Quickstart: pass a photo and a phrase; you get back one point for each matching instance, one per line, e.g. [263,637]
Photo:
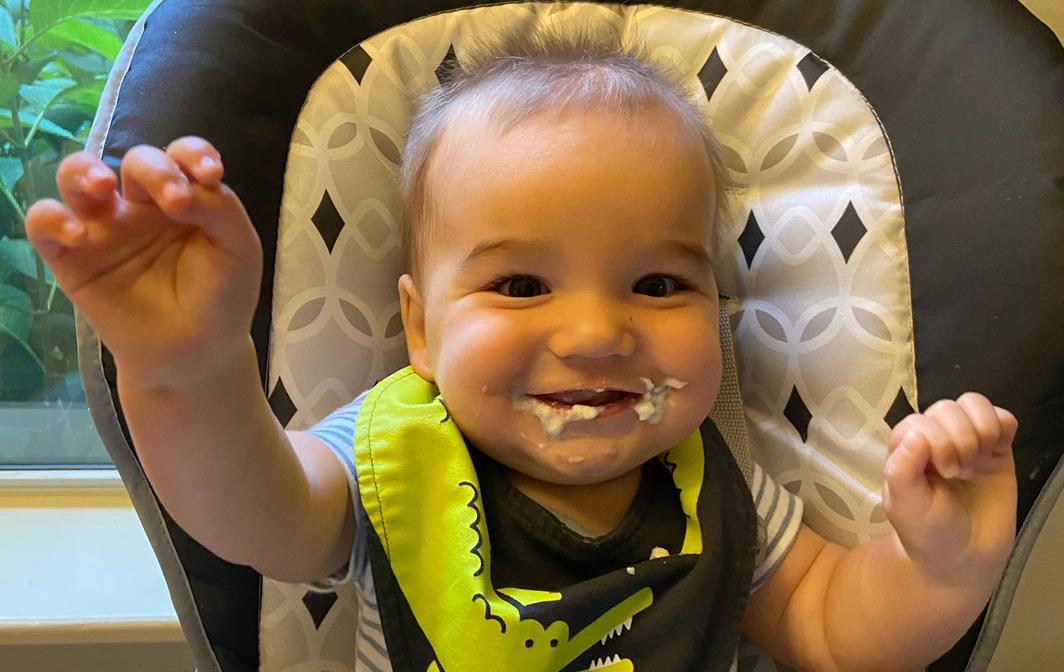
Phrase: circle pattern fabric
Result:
[814,259]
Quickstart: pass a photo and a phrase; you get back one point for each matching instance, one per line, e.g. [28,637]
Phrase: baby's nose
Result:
[592,329]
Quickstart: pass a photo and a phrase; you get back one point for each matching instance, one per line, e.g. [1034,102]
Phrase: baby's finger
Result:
[52,229]
[984,419]
[149,175]
[198,158]
[943,456]
[86,184]
[898,432]
[964,441]
[906,466]
[907,491]
[219,214]
[1009,425]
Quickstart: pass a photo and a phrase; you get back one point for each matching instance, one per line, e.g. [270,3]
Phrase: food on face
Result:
[651,407]
[555,418]
[556,413]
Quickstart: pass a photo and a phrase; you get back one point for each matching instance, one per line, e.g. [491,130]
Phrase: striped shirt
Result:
[779,514]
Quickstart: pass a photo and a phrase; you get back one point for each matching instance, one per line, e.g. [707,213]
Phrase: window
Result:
[82,589]
[55,61]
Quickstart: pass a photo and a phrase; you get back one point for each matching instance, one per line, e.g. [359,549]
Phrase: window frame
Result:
[47,622]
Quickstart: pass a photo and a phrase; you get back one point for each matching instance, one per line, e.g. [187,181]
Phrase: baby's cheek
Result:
[688,335]
[694,357]
[481,350]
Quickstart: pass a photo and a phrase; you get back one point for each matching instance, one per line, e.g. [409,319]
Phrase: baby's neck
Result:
[598,508]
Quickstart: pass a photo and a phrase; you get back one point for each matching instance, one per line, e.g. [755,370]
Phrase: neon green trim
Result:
[689,458]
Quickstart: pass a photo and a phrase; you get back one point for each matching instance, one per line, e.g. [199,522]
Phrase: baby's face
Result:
[570,261]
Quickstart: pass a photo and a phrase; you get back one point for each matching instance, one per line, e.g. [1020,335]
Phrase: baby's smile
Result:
[556,410]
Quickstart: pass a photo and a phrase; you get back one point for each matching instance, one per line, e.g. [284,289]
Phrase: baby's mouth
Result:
[555,410]
[607,401]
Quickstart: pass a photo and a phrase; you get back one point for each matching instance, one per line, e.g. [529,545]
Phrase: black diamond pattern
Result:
[319,604]
[811,68]
[711,73]
[328,221]
[750,239]
[848,231]
[898,410]
[447,65]
[798,413]
[281,404]
[357,61]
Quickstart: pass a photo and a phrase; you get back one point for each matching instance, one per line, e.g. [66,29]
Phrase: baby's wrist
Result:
[194,374]
[967,568]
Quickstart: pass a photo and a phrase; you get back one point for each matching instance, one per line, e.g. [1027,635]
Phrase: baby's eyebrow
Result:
[490,247]
[693,252]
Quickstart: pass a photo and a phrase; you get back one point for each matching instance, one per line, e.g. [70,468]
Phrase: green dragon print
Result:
[492,619]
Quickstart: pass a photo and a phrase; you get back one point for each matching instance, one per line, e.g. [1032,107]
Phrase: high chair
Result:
[896,238]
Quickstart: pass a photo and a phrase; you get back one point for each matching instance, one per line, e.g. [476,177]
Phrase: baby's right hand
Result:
[167,272]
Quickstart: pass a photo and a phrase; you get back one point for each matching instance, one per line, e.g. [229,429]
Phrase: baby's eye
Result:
[519,286]
[659,285]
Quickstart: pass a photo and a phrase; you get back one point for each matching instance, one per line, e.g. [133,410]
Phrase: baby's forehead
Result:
[515,140]
[491,126]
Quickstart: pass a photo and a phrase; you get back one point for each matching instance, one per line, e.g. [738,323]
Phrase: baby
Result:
[539,490]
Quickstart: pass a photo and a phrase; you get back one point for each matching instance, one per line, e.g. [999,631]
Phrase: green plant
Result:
[55,58]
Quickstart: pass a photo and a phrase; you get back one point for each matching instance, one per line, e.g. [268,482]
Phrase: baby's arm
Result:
[902,600]
[168,274]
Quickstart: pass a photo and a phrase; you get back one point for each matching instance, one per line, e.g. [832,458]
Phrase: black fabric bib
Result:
[679,612]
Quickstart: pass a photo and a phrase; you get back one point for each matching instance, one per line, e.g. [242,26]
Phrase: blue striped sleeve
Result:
[337,430]
[779,513]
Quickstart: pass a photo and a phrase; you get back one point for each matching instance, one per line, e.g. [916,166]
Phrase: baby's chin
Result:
[580,460]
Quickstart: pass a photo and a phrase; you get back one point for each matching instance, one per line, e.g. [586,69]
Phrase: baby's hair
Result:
[525,72]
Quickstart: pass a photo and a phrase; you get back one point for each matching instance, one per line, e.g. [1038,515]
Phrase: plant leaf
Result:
[8,86]
[18,255]
[42,92]
[29,71]
[21,370]
[27,119]
[84,34]
[16,312]
[46,14]
[11,171]
[88,94]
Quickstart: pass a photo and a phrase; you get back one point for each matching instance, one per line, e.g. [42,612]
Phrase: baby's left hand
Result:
[950,489]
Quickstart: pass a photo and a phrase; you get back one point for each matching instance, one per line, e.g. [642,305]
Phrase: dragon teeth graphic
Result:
[627,625]
[603,662]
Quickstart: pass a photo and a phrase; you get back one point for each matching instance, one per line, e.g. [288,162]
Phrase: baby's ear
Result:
[413,312]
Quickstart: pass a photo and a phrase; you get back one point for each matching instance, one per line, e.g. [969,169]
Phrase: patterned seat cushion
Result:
[814,255]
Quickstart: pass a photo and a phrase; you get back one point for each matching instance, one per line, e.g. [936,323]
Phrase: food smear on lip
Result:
[554,417]
[651,407]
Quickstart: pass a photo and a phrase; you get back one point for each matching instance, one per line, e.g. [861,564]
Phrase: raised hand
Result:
[167,272]
[950,489]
